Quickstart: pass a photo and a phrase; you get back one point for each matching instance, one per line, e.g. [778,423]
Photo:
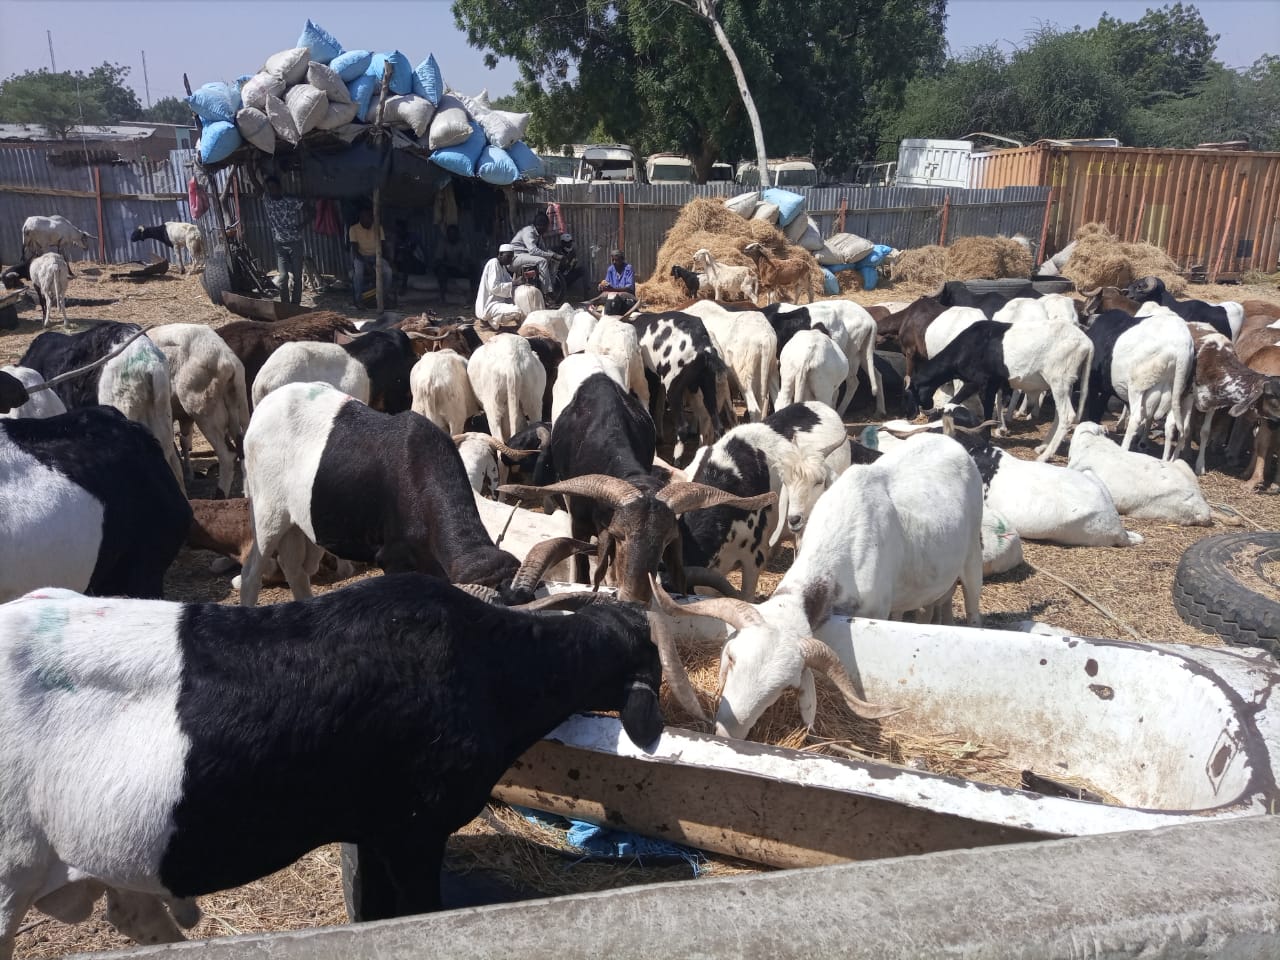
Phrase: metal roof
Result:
[97,134]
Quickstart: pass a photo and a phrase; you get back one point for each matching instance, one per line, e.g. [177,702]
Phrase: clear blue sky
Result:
[219,40]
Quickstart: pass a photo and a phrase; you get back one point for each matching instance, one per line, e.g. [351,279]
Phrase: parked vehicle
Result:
[720,173]
[785,172]
[669,168]
[614,162]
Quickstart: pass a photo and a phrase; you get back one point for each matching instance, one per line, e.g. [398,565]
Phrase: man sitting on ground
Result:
[495,300]
[364,243]
[619,278]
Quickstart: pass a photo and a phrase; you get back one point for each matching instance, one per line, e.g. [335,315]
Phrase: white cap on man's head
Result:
[506,248]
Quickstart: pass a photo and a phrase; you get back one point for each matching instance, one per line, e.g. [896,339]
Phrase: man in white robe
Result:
[495,298]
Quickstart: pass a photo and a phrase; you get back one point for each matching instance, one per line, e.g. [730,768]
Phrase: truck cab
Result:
[608,162]
[668,168]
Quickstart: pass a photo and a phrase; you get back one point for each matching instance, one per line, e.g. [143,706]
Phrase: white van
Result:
[608,162]
[785,172]
[668,168]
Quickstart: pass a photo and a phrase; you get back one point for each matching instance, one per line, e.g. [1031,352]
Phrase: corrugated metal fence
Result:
[1216,209]
[637,217]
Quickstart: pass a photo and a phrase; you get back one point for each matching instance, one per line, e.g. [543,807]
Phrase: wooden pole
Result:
[844,206]
[377,233]
[622,245]
[1137,221]
[1222,246]
[946,213]
[102,237]
[1044,225]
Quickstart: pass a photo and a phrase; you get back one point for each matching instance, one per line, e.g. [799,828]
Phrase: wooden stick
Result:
[1222,247]
[102,239]
[1044,224]
[377,236]
[844,207]
[1089,600]
[946,213]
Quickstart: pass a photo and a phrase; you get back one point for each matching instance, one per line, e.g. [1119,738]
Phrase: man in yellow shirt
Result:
[364,244]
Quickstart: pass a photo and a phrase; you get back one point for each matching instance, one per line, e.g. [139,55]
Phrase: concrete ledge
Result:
[1208,890]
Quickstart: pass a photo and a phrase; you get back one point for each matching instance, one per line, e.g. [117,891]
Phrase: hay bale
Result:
[707,222]
[924,265]
[1101,259]
[987,258]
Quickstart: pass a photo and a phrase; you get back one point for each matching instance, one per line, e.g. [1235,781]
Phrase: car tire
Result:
[217,274]
[1222,587]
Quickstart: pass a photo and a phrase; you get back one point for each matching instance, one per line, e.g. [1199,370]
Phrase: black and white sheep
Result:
[177,235]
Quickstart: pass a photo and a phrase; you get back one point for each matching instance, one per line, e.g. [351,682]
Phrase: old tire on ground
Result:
[1223,586]
[217,274]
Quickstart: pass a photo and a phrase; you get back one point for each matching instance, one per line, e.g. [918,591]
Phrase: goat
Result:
[89,504]
[1226,317]
[601,454]
[388,357]
[790,276]
[727,282]
[207,388]
[853,330]
[909,327]
[305,362]
[40,233]
[617,340]
[367,486]
[508,382]
[747,342]
[1222,380]
[177,235]
[253,341]
[812,368]
[442,391]
[550,354]
[695,285]
[1140,486]
[888,539]
[990,357]
[135,382]
[230,728]
[34,404]
[461,337]
[225,527]
[482,456]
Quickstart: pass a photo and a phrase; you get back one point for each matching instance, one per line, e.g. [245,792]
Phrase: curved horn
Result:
[599,486]
[737,613]
[831,448]
[672,668]
[495,444]
[542,557]
[544,437]
[480,592]
[984,425]
[706,577]
[784,501]
[70,374]
[818,656]
[683,496]
[557,601]
[904,434]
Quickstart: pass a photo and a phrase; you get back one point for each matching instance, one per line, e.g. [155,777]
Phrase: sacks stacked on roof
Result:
[317,85]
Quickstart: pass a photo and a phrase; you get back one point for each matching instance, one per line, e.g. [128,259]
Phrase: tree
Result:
[170,110]
[107,81]
[60,101]
[1227,105]
[818,71]
[1166,53]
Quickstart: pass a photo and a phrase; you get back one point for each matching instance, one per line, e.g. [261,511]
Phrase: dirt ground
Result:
[1133,584]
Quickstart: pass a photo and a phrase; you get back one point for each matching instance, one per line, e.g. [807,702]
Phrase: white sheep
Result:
[178,235]
[812,368]
[728,282]
[528,299]
[42,403]
[1141,486]
[749,345]
[1152,371]
[508,380]
[137,384]
[40,233]
[441,389]
[853,330]
[548,323]
[617,340]
[888,539]
[479,453]
[580,329]
[207,388]
[309,362]
[51,276]
[574,370]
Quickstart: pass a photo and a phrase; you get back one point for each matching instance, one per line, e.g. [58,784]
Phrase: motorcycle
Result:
[565,272]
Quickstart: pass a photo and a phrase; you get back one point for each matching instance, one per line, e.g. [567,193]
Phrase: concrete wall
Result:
[1208,890]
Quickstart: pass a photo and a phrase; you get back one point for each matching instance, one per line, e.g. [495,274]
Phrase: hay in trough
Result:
[707,222]
[1101,259]
[987,258]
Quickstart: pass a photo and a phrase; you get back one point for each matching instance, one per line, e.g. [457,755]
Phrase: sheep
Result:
[225,527]
[1140,486]
[34,404]
[508,382]
[482,460]
[527,299]
[548,323]
[239,719]
[1221,380]
[388,357]
[49,276]
[791,276]
[372,487]
[135,381]
[39,233]
[1226,317]
[580,330]
[889,538]
[747,342]
[1051,308]
[253,341]
[812,368]
[442,391]
[575,370]
[601,455]
[695,284]
[302,361]
[207,388]
[727,282]
[853,330]
[617,340]
[955,293]
[89,504]
[177,235]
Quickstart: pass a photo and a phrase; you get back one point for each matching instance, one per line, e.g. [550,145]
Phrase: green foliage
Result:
[1166,53]
[59,101]
[169,110]
[1226,106]
[649,73]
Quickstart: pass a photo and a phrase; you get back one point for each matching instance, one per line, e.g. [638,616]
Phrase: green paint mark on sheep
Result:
[46,648]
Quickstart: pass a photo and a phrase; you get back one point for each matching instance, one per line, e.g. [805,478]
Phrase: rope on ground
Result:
[1089,600]
[31,926]
[1233,512]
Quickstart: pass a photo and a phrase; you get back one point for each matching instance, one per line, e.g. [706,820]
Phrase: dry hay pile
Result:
[926,265]
[1101,259]
[707,222]
[988,258]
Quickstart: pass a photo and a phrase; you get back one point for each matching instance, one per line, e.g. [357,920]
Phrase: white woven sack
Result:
[338,115]
[767,212]
[450,125]
[307,104]
[256,128]
[503,128]
[826,256]
[289,65]
[282,120]
[257,88]
[412,111]
[327,81]
[744,204]
[794,230]
[850,246]
[811,238]
[476,105]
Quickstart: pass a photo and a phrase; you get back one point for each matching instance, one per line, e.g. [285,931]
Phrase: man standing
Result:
[285,215]
[495,298]
[619,278]
[453,260]
[528,244]
[364,243]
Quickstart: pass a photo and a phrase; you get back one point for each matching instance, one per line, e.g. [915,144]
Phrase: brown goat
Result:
[1223,381]
[222,526]
[911,326]
[253,341]
[778,276]
[1101,299]
[1266,442]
